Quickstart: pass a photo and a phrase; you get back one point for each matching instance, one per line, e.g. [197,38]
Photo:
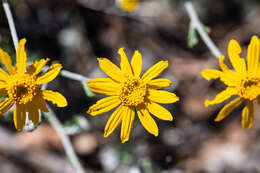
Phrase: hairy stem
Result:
[71,75]
[10,22]
[51,115]
[199,27]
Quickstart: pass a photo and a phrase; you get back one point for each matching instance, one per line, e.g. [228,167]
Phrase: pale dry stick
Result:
[51,115]
[199,27]
[10,20]
[71,75]
[11,23]
[205,38]
[36,158]
[74,76]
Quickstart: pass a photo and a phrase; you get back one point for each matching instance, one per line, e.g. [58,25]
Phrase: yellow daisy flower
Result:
[128,5]
[22,87]
[127,89]
[243,81]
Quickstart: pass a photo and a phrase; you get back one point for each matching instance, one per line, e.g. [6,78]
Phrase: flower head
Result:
[22,87]
[131,93]
[128,5]
[243,81]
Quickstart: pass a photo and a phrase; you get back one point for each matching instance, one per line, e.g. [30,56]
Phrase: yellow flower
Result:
[128,5]
[243,81]
[22,87]
[127,89]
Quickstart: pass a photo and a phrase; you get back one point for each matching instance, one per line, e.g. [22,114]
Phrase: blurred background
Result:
[76,32]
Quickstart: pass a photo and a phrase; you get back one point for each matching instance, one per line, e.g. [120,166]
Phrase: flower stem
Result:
[51,115]
[10,22]
[71,75]
[199,27]
[74,76]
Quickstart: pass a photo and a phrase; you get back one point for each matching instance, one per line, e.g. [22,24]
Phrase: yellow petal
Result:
[110,69]
[124,64]
[161,96]
[209,74]
[21,56]
[40,102]
[129,5]
[19,116]
[105,86]
[3,84]
[55,98]
[159,83]
[104,105]
[37,66]
[253,54]
[146,120]
[223,65]
[136,63]
[5,105]
[155,70]
[33,113]
[159,111]
[127,123]
[7,61]
[229,78]
[3,75]
[228,108]
[258,70]
[248,115]
[222,96]
[233,52]
[50,74]
[113,121]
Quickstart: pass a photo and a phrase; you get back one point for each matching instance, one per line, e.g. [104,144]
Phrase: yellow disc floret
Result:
[133,92]
[249,88]
[22,88]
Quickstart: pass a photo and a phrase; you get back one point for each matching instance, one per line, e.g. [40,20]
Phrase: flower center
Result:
[249,88]
[132,92]
[22,88]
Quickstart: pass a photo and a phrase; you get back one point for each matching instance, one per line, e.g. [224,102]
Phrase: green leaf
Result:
[87,90]
[55,62]
[206,28]
[8,116]
[32,58]
[76,124]
[192,36]
[147,165]
[124,153]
